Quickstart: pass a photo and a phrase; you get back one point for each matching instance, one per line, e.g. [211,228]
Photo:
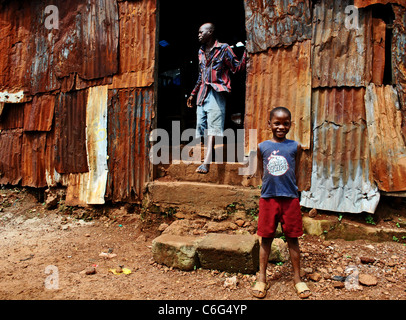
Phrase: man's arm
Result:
[232,62]
[191,100]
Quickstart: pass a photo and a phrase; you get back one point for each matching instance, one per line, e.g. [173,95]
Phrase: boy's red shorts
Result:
[283,210]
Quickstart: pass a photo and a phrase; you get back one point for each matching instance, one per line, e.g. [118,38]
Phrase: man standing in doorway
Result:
[215,61]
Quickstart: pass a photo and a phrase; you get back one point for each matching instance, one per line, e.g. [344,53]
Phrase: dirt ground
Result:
[69,241]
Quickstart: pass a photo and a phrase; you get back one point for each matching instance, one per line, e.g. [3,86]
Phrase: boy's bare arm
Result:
[297,160]
[258,171]
[259,164]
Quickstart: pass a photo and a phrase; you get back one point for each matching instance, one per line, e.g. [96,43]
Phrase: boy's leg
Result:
[264,251]
[294,251]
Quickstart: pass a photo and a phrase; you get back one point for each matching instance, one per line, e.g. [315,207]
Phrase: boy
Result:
[279,202]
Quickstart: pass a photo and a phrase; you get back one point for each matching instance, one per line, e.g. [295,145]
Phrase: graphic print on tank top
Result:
[277,165]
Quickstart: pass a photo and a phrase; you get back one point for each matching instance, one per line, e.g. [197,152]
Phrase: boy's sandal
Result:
[260,289]
[302,290]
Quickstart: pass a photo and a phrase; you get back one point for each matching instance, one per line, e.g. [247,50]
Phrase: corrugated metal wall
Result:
[77,103]
[57,87]
[349,155]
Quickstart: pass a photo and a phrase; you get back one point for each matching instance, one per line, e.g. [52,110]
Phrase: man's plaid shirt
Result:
[214,70]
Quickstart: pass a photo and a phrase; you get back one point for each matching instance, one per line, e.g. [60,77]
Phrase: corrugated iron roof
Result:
[129,122]
[268,73]
[388,151]
[341,176]
[340,56]
[276,23]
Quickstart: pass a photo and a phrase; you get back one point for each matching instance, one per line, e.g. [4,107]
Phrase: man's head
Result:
[280,122]
[206,33]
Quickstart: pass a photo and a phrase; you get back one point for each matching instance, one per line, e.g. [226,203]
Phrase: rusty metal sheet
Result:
[96,136]
[399,60]
[53,178]
[33,159]
[70,132]
[281,77]
[12,116]
[129,124]
[137,44]
[388,151]
[341,176]
[38,60]
[365,3]
[76,192]
[39,114]
[340,56]
[276,23]
[15,22]
[378,47]
[11,142]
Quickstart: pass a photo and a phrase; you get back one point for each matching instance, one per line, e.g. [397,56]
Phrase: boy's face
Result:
[280,125]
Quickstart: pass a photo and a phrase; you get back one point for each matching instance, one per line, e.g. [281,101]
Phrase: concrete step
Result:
[229,173]
[223,252]
[209,200]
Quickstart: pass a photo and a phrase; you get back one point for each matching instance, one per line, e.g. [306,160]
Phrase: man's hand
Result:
[190,101]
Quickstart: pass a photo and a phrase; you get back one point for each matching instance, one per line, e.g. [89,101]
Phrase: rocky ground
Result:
[69,253]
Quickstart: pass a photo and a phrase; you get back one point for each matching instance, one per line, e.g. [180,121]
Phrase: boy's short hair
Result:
[283,109]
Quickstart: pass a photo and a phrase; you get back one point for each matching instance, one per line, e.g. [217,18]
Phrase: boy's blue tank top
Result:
[279,161]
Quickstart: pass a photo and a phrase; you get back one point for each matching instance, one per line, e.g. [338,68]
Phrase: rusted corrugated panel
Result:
[276,23]
[11,142]
[137,44]
[378,56]
[129,125]
[365,3]
[15,24]
[76,192]
[340,56]
[388,151]
[12,116]
[281,77]
[33,159]
[89,188]
[89,45]
[38,60]
[39,114]
[341,176]
[70,132]
[96,133]
[399,60]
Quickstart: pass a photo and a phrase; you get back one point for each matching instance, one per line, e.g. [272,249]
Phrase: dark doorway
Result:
[179,21]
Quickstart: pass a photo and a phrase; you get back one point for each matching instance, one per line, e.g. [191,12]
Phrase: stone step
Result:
[231,253]
[176,251]
[204,199]
[229,173]
[223,252]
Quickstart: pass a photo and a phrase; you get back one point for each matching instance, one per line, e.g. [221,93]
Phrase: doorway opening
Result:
[179,22]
